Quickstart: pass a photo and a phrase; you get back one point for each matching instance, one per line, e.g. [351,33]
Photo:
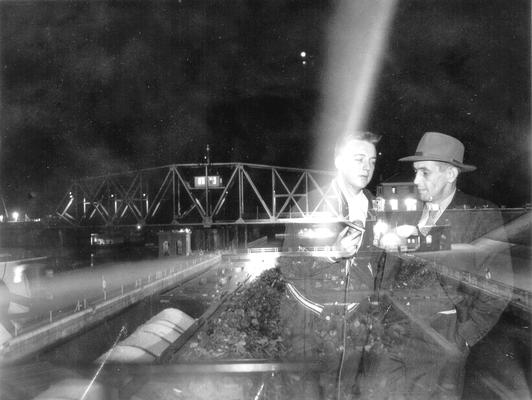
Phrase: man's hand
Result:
[348,241]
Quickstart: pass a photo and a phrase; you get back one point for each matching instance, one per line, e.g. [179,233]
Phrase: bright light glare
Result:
[390,241]
[303,54]
[15,216]
[394,204]
[380,228]
[406,231]
[316,233]
[259,262]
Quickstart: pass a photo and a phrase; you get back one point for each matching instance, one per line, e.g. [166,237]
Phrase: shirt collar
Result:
[442,205]
[357,204]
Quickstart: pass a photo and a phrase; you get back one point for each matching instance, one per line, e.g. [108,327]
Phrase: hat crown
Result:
[440,146]
[435,146]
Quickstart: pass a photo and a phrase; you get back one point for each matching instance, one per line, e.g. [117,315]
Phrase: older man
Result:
[437,163]
[432,366]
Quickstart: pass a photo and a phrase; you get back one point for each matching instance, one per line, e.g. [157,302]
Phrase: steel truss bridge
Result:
[205,194]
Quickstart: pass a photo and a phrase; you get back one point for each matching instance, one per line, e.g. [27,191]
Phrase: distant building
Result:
[397,194]
[174,243]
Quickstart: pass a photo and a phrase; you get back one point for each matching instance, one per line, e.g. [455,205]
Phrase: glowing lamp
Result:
[380,228]
[405,231]
[391,241]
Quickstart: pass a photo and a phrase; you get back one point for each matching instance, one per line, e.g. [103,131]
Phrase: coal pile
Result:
[251,325]
[247,326]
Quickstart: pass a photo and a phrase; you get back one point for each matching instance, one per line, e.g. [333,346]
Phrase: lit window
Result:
[410,204]
[18,274]
[378,204]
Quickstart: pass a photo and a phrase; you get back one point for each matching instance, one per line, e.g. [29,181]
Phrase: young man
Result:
[325,313]
[346,197]
[354,158]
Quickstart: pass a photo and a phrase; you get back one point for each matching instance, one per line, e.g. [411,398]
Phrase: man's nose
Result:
[417,179]
[365,165]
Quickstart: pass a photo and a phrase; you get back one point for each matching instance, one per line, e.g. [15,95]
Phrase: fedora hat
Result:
[435,146]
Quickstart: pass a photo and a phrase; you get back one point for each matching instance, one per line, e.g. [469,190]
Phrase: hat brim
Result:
[462,167]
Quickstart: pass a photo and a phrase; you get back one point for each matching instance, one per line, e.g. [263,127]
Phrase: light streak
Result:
[122,331]
[356,44]
[257,396]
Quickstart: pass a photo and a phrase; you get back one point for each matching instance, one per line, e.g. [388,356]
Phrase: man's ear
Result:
[452,174]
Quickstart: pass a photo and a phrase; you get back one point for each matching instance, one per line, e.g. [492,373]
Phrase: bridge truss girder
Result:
[167,195]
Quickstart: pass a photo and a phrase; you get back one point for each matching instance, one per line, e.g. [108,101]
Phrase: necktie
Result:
[431,220]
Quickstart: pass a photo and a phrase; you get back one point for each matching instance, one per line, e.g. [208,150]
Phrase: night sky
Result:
[89,88]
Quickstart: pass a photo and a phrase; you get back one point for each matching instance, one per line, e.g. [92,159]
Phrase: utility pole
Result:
[207,162]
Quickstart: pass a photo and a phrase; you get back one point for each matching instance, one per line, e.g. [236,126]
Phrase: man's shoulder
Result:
[473,217]
[463,200]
